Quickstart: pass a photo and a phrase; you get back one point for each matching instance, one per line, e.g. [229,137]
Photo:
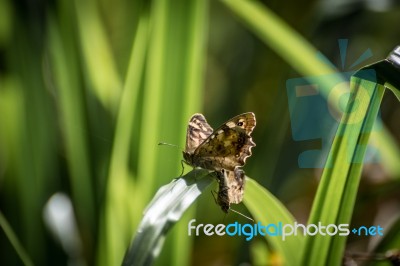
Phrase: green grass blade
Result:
[193,28]
[161,91]
[100,64]
[303,57]
[165,209]
[171,93]
[260,254]
[26,142]
[337,191]
[14,241]
[72,112]
[284,40]
[267,209]
[395,91]
[196,53]
[115,225]
[154,85]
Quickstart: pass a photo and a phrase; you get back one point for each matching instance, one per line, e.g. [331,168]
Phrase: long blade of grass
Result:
[14,241]
[73,124]
[115,225]
[304,58]
[190,75]
[337,191]
[171,92]
[389,72]
[267,209]
[26,139]
[284,40]
[101,68]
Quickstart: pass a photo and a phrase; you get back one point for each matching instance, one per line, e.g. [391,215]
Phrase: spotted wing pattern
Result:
[231,188]
[198,130]
[226,148]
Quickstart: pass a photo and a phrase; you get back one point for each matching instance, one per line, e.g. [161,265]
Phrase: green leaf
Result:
[162,88]
[267,209]
[101,68]
[72,112]
[337,191]
[10,234]
[115,225]
[306,60]
[165,209]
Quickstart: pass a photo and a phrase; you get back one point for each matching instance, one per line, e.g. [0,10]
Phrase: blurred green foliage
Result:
[88,89]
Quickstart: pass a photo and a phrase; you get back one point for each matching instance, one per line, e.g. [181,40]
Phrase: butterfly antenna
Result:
[169,144]
[247,217]
[176,146]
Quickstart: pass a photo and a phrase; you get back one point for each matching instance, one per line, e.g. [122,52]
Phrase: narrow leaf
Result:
[336,194]
[166,208]
[267,209]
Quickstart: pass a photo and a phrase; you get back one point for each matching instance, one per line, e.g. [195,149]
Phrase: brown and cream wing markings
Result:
[226,148]
[198,130]
[231,188]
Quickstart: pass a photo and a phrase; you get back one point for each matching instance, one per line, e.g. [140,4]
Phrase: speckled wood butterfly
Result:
[223,150]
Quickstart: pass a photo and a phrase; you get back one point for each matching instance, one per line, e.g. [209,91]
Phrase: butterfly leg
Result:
[183,168]
[213,193]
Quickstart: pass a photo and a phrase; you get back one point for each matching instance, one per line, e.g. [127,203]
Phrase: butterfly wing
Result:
[229,146]
[245,121]
[198,130]
[235,181]
[231,188]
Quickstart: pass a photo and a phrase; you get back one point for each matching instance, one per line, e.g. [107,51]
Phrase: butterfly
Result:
[224,151]
[231,188]
[227,147]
